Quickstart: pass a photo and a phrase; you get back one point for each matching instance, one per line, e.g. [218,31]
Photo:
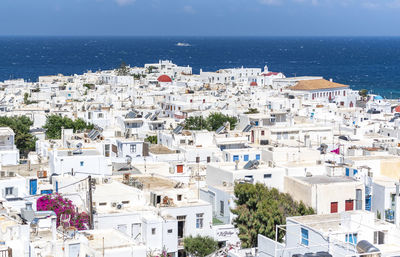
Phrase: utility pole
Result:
[90,203]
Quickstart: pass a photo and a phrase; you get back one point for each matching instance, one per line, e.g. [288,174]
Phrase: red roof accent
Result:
[397,109]
[270,73]
[253,83]
[164,78]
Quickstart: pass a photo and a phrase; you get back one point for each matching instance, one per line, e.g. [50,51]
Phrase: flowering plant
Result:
[63,207]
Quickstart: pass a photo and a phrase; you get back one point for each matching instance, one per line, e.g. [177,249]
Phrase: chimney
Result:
[396,206]
[331,80]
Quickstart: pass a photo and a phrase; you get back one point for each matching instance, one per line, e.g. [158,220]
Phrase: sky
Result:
[200,17]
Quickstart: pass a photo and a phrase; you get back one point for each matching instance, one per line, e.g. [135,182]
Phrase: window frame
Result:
[199,220]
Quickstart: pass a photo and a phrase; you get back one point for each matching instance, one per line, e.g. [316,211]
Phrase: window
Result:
[199,220]
[82,163]
[102,204]
[208,159]
[100,115]
[334,207]
[379,237]
[107,150]
[359,199]
[125,202]
[262,132]
[258,157]
[179,197]
[246,157]
[304,236]
[349,205]
[236,158]
[351,238]
[153,231]
[179,168]
[169,231]
[133,148]
[9,191]
[221,208]
[269,175]
[197,159]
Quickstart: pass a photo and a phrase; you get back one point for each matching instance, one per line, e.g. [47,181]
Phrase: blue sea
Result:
[371,62]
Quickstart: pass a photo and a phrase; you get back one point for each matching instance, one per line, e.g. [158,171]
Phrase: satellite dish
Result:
[79,145]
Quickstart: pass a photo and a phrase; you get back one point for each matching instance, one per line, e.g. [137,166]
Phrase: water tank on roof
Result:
[366,247]
[324,254]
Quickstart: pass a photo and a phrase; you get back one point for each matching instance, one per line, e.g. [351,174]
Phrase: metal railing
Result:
[6,252]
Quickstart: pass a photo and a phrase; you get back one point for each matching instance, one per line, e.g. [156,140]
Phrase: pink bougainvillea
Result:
[63,207]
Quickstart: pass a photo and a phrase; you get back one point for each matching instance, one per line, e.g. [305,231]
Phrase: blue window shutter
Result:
[347,172]
[355,172]
[246,157]
[304,236]
[235,157]
[258,157]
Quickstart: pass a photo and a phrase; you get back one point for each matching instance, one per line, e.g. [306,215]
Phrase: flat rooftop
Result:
[320,179]
[85,152]
[160,149]
[385,181]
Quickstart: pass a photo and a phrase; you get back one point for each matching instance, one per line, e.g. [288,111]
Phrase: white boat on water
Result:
[182,44]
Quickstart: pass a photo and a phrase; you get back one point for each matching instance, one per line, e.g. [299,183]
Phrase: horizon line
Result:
[214,36]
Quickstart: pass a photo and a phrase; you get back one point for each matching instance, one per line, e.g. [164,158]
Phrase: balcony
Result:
[5,252]
[7,147]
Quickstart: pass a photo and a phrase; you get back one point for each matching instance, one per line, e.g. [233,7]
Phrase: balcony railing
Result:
[6,252]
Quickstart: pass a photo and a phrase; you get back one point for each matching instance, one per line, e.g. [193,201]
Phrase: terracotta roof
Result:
[397,109]
[253,83]
[270,73]
[164,78]
[316,84]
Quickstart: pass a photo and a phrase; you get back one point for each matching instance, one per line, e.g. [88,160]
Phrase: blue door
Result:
[246,157]
[33,186]
[355,172]
[347,172]
[57,186]
[258,157]
[235,157]
[368,203]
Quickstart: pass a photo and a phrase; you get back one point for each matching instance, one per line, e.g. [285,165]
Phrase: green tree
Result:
[151,139]
[252,111]
[260,209]
[151,68]
[55,122]
[363,92]
[123,69]
[23,140]
[211,123]
[217,119]
[196,123]
[27,101]
[200,246]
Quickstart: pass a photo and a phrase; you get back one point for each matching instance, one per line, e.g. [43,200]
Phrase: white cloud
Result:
[189,9]
[271,2]
[124,2]
[370,5]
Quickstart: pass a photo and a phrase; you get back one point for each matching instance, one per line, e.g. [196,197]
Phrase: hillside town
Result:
[144,161]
